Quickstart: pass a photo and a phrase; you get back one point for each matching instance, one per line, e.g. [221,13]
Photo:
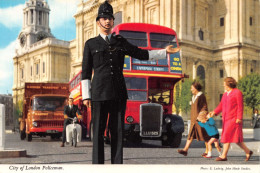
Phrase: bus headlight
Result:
[130,119]
[167,120]
[34,123]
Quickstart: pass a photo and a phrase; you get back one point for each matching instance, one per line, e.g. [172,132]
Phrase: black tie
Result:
[107,40]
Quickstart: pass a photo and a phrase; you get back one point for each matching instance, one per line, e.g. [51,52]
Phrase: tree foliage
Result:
[250,87]
[19,108]
[182,96]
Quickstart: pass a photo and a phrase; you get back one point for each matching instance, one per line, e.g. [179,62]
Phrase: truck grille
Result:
[151,120]
[50,124]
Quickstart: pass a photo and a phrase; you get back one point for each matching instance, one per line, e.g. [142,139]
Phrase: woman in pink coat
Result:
[231,106]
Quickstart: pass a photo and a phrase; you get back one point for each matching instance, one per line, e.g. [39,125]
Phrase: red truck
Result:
[43,107]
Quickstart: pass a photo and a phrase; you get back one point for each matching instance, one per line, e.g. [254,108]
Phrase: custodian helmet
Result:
[105,10]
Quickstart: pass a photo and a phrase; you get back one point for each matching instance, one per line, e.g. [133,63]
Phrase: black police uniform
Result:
[108,89]
[70,112]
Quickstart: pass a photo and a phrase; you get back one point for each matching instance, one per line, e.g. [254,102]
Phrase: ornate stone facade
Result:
[219,37]
[40,57]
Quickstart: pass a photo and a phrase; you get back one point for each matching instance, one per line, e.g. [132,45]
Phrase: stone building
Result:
[218,38]
[7,100]
[40,57]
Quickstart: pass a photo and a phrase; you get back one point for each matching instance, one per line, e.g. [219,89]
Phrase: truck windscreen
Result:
[48,103]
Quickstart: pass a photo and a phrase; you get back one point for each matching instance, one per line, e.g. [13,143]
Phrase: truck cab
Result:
[43,110]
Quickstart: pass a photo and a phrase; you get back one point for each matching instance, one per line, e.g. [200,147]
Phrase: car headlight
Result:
[130,119]
[34,124]
[167,120]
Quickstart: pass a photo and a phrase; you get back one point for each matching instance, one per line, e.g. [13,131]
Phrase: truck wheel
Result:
[91,131]
[29,137]
[175,140]
[53,137]
[74,137]
[22,135]
[58,136]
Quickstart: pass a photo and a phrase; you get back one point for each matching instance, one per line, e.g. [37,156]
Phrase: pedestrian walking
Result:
[106,92]
[209,125]
[231,106]
[198,105]
[255,119]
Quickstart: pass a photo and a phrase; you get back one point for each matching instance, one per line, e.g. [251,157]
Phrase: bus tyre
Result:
[135,138]
[175,140]
[29,137]
[74,138]
[22,135]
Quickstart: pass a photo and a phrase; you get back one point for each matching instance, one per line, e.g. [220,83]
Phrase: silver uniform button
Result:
[111,72]
[110,53]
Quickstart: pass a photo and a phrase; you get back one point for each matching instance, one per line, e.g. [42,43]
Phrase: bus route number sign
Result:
[175,63]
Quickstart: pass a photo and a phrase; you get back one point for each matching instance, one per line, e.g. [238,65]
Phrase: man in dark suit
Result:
[71,111]
[107,92]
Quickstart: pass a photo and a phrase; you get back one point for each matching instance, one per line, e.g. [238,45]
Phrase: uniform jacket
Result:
[210,127]
[107,61]
[196,131]
[231,106]
[71,112]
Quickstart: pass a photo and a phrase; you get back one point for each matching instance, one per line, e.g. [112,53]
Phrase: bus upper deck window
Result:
[136,38]
[159,40]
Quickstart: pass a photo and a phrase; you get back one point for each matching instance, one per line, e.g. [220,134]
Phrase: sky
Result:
[62,25]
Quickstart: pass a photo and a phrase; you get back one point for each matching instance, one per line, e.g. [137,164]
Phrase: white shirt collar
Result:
[228,92]
[194,97]
[104,36]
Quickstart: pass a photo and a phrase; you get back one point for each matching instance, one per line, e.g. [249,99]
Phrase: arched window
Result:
[201,74]
[118,18]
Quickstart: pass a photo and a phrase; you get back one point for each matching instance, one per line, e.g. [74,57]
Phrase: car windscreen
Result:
[48,103]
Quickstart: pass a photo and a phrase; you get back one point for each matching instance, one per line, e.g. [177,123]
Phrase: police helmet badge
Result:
[105,10]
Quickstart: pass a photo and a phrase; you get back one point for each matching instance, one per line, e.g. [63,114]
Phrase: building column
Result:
[182,19]
[47,20]
[194,70]
[29,17]
[35,14]
[189,20]
[24,20]
[168,13]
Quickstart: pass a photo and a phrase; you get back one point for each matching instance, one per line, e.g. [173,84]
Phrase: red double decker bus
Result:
[150,86]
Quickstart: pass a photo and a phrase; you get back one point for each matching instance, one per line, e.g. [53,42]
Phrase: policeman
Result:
[71,111]
[107,91]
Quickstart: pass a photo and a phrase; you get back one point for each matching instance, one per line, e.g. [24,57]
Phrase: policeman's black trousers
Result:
[100,110]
